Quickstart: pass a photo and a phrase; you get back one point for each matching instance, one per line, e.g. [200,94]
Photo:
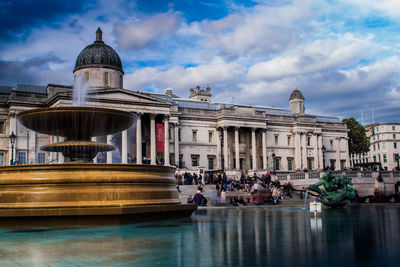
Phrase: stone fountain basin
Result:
[88,189]
[76,123]
[89,146]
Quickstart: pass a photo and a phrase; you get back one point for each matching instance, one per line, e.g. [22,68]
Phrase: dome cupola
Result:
[296,101]
[99,64]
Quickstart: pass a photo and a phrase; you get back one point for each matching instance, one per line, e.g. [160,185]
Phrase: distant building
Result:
[384,146]
[189,132]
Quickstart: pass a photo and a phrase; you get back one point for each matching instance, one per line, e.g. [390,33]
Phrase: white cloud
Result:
[258,31]
[389,7]
[181,78]
[320,55]
[131,36]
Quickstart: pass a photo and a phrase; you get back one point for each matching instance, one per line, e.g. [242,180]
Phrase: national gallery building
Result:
[189,133]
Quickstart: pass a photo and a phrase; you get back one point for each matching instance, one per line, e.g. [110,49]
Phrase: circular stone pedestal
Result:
[88,189]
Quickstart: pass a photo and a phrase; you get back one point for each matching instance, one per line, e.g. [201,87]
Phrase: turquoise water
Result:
[216,237]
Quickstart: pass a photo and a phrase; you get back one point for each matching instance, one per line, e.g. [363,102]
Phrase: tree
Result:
[358,140]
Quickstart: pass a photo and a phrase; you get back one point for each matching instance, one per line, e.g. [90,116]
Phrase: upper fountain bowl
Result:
[76,123]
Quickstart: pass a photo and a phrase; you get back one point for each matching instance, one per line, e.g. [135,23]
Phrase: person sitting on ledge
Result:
[199,199]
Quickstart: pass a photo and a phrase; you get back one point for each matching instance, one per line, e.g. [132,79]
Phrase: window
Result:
[1,159]
[310,164]
[331,141]
[384,158]
[288,140]
[374,147]
[211,162]
[2,127]
[393,128]
[308,140]
[41,158]
[21,156]
[179,135]
[379,158]
[195,160]
[379,147]
[86,76]
[106,79]
[276,139]
[394,145]
[394,136]
[210,137]
[121,81]
[374,158]
[290,164]
[194,136]
[277,163]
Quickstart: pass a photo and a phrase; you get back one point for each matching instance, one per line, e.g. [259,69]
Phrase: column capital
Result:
[167,116]
[253,129]
[153,116]
[236,127]
[12,114]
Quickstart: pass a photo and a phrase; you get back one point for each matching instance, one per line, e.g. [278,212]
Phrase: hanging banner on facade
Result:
[160,137]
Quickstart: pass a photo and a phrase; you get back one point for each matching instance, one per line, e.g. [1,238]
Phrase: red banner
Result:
[160,137]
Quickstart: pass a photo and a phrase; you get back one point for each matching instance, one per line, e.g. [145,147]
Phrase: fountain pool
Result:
[258,236]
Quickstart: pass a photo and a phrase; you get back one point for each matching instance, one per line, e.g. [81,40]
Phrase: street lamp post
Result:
[12,138]
[273,161]
[323,156]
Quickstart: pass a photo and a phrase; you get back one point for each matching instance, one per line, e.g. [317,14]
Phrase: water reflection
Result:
[219,237]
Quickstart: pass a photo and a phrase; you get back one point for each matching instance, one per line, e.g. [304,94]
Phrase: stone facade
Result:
[384,146]
[195,132]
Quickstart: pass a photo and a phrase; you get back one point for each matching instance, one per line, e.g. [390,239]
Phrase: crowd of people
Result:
[261,190]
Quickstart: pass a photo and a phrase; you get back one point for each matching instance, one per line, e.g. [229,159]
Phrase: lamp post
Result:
[323,148]
[273,161]
[12,141]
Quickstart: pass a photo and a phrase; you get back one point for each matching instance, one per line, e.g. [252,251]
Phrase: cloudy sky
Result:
[342,54]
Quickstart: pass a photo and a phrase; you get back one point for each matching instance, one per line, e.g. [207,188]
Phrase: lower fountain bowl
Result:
[78,189]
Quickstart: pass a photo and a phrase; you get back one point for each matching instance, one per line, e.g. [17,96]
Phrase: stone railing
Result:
[365,182]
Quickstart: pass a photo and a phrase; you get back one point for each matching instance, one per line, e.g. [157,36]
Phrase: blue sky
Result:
[342,54]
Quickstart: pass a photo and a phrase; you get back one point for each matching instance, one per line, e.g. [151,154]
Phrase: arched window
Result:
[121,80]
[106,79]
[86,76]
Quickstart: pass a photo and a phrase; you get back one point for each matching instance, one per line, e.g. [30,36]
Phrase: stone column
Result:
[316,151]
[337,153]
[264,148]
[237,151]
[297,150]
[176,144]
[304,152]
[153,139]
[139,155]
[109,153]
[320,155]
[219,145]
[346,143]
[166,140]
[124,147]
[253,148]
[226,161]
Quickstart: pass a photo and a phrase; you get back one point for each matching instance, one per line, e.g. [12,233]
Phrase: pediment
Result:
[126,96]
